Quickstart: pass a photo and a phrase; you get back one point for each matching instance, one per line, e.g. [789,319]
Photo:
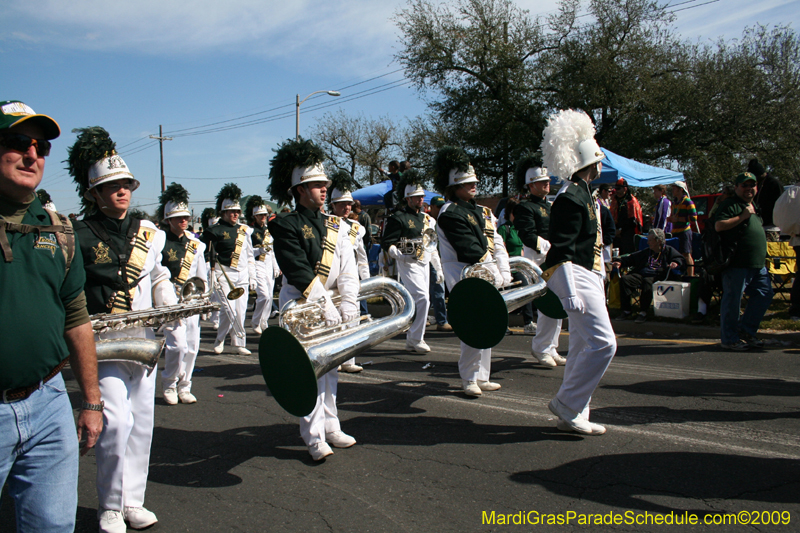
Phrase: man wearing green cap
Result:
[739,225]
[41,278]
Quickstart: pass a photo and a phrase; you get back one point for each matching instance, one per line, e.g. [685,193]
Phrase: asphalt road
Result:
[692,430]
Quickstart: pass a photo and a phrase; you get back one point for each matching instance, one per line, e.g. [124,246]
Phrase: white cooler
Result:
[671,299]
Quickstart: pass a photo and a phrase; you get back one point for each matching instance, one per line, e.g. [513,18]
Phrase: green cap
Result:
[745,176]
[437,201]
[14,112]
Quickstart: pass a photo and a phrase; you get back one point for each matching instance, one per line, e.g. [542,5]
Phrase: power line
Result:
[231,178]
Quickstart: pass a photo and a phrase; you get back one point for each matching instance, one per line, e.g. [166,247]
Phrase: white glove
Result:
[544,246]
[350,312]
[507,279]
[253,284]
[439,277]
[394,253]
[568,296]
[277,274]
[331,314]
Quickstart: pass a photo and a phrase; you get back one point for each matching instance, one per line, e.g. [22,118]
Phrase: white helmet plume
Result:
[564,132]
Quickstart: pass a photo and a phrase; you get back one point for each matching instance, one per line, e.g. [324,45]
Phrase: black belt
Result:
[22,393]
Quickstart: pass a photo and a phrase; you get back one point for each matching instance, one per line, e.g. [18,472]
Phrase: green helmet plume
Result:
[252,202]
[229,191]
[208,213]
[174,193]
[447,159]
[289,155]
[409,177]
[343,181]
[92,145]
[44,196]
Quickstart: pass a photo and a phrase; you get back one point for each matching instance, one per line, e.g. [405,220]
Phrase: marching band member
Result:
[122,258]
[574,267]
[409,222]
[341,204]
[234,249]
[184,256]
[267,270]
[467,236]
[315,255]
[532,221]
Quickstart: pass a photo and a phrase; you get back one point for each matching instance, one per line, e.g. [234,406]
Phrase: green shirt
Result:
[34,287]
[749,236]
[173,253]
[511,239]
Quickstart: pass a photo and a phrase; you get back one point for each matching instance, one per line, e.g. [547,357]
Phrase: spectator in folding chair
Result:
[656,262]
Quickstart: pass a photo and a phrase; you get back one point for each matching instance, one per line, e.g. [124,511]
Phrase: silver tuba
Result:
[428,242]
[478,311]
[146,352]
[303,349]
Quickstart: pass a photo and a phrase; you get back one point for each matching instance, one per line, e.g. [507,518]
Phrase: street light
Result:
[297,114]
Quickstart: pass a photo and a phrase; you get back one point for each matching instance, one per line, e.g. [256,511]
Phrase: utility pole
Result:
[161,140]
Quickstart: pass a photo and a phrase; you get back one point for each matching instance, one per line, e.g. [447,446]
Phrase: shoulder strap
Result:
[66,238]
[6,226]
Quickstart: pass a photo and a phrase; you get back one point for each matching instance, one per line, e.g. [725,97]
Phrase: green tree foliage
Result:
[480,60]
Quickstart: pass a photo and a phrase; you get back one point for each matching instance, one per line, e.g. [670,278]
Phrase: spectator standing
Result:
[739,225]
[769,190]
[682,218]
[604,194]
[663,210]
[38,446]
[627,214]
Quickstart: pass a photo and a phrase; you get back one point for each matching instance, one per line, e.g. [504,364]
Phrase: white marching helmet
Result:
[50,206]
[108,169]
[416,190]
[459,178]
[535,175]
[301,175]
[230,205]
[589,153]
[260,210]
[213,221]
[179,209]
[339,196]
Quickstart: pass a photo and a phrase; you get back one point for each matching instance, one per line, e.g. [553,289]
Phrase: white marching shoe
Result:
[340,439]
[351,369]
[139,517]
[111,522]
[319,451]
[419,347]
[258,330]
[573,421]
[171,396]
[471,389]
[243,351]
[218,347]
[545,359]
[488,385]
[186,397]
[560,360]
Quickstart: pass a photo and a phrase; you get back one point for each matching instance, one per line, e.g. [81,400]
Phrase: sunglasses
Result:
[748,184]
[21,142]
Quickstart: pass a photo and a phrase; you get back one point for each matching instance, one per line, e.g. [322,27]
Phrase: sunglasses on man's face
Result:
[21,142]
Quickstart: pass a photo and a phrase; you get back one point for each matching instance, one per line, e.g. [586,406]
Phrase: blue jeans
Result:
[437,300]
[39,459]
[738,281]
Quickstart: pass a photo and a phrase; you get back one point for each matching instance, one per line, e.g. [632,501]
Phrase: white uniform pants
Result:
[123,450]
[179,362]
[239,308]
[547,333]
[592,344]
[325,417]
[474,364]
[415,277]
[265,284]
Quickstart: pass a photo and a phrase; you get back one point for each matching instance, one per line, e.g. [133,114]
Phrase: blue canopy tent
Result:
[373,195]
[635,173]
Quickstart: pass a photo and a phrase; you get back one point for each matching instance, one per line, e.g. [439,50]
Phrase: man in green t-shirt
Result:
[739,224]
[41,280]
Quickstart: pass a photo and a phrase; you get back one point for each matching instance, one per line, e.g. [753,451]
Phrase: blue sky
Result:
[130,66]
